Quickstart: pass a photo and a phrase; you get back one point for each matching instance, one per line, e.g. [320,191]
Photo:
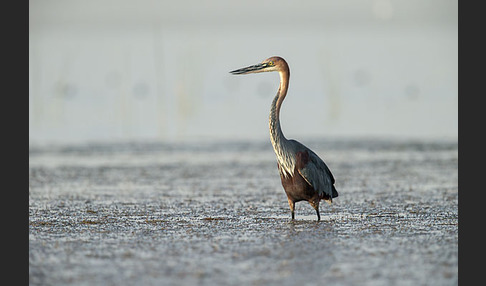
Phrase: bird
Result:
[304,175]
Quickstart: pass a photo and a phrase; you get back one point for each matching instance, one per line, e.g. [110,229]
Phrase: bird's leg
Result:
[315,205]
[292,208]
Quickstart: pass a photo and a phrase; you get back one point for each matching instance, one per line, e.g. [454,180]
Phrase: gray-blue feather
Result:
[317,174]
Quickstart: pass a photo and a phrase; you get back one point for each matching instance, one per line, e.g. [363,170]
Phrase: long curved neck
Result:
[276,134]
[279,142]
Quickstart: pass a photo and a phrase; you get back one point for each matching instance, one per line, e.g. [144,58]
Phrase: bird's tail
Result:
[334,192]
[328,199]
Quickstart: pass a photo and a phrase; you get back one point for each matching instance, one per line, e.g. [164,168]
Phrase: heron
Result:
[304,175]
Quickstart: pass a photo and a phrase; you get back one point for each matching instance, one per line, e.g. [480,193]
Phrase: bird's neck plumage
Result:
[280,144]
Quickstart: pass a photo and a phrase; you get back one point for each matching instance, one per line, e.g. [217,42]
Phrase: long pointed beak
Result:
[250,69]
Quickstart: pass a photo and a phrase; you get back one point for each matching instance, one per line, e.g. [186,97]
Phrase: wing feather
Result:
[318,175]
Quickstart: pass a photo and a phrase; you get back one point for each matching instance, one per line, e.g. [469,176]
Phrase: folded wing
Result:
[316,173]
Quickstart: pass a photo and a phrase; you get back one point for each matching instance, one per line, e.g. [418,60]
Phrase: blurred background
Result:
[118,70]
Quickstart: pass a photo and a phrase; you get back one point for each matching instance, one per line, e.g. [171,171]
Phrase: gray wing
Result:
[318,175]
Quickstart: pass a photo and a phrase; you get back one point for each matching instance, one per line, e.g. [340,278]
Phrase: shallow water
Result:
[216,213]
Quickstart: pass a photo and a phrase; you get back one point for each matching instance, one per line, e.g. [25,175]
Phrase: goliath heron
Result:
[304,176]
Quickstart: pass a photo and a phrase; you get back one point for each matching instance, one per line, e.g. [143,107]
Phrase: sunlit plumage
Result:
[304,176]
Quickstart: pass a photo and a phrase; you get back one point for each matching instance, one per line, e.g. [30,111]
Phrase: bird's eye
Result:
[271,63]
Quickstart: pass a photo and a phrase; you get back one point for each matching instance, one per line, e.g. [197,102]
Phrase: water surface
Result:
[215,213]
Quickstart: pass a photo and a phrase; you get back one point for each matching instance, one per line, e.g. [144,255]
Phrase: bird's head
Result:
[268,65]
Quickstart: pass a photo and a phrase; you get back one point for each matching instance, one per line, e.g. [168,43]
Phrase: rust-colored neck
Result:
[279,142]
[282,90]
[274,122]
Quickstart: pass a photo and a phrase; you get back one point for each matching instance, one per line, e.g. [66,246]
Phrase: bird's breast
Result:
[286,163]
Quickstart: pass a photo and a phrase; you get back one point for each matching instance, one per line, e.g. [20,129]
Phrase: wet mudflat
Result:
[216,214]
